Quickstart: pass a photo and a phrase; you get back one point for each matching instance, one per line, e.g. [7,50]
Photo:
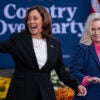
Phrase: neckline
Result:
[37,43]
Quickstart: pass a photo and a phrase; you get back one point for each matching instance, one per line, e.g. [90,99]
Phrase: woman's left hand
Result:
[93,80]
[82,90]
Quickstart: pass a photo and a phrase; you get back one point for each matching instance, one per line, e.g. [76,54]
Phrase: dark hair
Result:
[46,27]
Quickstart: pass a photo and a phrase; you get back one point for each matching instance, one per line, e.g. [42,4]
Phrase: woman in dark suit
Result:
[85,64]
[36,53]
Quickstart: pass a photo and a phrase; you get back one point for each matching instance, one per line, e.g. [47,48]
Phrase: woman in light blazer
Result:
[36,53]
[85,64]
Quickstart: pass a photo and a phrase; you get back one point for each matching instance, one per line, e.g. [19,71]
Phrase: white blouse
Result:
[40,48]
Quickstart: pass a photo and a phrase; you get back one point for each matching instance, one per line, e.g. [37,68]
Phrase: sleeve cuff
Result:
[84,81]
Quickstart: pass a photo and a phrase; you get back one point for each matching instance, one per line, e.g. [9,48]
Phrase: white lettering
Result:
[81,27]
[63,26]
[53,12]
[56,28]
[61,10]
[21,13]
[20,27]
[7,11]
[3,27]
[71,12]
[73,27]
[16,27]
[12,27]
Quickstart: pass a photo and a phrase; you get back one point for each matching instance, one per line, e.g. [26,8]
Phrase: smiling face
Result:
[34,23]
[95,31]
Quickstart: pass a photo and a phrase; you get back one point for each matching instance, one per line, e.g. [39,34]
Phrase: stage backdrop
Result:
[68,22]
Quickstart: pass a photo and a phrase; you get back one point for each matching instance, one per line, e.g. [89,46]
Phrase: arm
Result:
[66,77]
[77,62]
[6,46]
[88,79]
[78,66]
[63,74]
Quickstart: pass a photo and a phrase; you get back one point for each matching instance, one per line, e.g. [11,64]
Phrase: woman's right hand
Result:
[81,90]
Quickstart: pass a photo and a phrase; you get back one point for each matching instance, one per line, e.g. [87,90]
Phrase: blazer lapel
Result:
[94,54]
[29,47]
[50,50]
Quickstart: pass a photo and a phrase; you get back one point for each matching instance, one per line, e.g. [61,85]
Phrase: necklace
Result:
[37,42]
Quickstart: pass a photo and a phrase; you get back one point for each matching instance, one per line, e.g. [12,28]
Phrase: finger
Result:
[95,80]
[82,92]
[79,94]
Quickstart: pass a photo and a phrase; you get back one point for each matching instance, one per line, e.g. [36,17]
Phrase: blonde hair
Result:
[86,38]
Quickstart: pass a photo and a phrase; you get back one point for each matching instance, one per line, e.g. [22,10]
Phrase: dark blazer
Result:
[85,62]
[28,82]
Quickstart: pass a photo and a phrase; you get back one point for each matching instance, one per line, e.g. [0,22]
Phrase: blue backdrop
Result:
[68,22]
